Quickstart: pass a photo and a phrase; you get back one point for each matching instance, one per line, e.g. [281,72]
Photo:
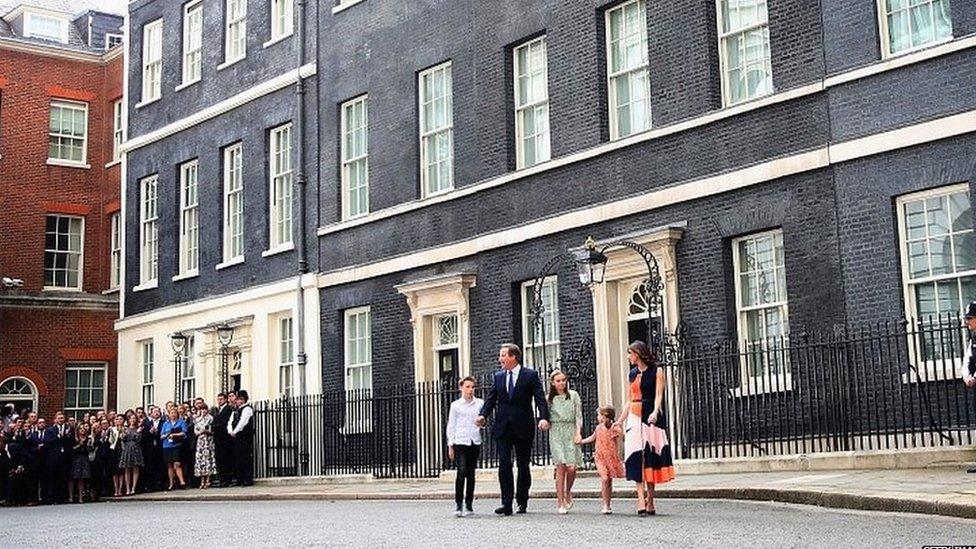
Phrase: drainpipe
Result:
[300,180]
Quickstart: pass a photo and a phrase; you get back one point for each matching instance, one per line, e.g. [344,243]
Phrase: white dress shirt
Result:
[515,374]
[461,428]
[246,413]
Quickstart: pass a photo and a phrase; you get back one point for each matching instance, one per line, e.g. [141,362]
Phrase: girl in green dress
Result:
[566,413]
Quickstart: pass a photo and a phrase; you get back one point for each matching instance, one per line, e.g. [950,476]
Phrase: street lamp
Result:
[591,264]
[225,334]
[178,341]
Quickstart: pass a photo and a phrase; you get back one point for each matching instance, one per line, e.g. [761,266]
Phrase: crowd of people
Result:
[109,454]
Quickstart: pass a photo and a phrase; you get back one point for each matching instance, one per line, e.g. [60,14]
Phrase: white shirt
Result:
[246,413]
[515,373]
[461,428]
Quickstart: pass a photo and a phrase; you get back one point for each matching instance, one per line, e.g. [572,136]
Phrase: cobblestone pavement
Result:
[429,524]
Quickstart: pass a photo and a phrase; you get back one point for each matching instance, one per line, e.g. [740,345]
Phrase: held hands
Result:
[652,419]
[480,422]
[543,425]
[970,382]
[450,453]
[578,439]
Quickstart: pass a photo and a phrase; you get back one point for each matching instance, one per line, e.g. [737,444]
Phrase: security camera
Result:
[12,282]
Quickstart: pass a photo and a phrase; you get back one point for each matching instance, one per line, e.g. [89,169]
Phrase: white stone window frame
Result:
[282,20]
[351,161]
[288,385]
[80,252]
[192,52]
[29,20]
[235,31]
[359,411]
[885,33]
[75,106]
[152,62]
[148,230]
[118,129]
[147,363]
[542,138]
[928,370]
[551,320]
[188,370]
[765,382]
[280,191]
[92,368]
[189,222]
[19,396]
[612,76]
[430,135]
[723,36]
[115,254]
[233,184]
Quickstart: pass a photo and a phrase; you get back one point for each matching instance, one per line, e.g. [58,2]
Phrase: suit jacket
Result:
[60,444]
[513,415]
[221,419]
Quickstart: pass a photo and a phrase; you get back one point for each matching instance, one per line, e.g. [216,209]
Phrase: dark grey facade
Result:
[831,86]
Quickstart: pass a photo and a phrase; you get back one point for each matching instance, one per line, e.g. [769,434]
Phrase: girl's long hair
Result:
[552,386]
[609,413]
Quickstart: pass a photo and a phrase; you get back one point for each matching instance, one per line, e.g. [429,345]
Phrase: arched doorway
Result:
[639,313]
[19,391]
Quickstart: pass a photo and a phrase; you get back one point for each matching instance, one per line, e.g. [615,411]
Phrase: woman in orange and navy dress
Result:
[648,455]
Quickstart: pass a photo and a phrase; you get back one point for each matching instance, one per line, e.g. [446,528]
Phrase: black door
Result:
[447,361]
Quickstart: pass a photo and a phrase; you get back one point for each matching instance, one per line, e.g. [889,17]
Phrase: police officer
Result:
[969,376]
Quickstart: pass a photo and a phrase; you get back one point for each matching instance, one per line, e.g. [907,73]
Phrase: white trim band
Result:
[222,107]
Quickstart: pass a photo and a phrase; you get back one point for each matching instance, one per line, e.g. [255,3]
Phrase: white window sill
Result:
[142,104]
[438,193]
[277,39]
[891,55]
[149,285]
[59,289]
[111,291]
[345,5]
[186,275]
[113,163]
[763,386]
[230,262]
[186,85]
[279,249]
[230,62]
[354,217]
[726,104]
[67,164]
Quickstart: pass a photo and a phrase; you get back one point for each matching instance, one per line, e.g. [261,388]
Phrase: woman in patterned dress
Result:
[131,460]
[204,464]
[566,413]
[646,446]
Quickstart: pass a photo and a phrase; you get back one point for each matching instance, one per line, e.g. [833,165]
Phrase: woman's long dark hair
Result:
[552,386]
[644,353]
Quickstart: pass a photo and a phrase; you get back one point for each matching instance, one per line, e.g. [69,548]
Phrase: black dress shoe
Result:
[506,511]
[521,510]
[971,469]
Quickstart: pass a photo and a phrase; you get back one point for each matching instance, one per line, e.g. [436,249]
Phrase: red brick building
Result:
[61,123]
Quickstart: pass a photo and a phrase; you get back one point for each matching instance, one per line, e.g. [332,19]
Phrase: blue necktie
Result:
[511,386]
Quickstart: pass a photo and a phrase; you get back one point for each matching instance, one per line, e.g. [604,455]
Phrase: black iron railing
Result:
[886,386]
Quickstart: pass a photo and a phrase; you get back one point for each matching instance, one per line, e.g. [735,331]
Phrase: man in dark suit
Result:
[241,431]
[59,439]
[222,441]
[14,467]
[512,392]
[152,450]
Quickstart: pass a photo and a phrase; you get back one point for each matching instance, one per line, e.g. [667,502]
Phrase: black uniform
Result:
[243,447]
[223,445]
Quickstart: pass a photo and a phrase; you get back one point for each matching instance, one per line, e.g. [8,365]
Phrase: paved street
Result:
[682,523]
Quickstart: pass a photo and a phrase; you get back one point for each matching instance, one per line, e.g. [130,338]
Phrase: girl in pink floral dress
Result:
[605,453]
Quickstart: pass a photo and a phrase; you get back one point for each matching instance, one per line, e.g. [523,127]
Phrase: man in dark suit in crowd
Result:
[59,439]
[514,389]
[152,450]
[222,440]
[14,468]
[241,430]
[37,451]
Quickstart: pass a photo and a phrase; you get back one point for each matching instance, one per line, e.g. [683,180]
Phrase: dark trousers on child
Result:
[466,457]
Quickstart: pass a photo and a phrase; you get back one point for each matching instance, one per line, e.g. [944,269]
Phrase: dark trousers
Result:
[523,450]
[55,479]
[244,459]
[223,455]
[466,457]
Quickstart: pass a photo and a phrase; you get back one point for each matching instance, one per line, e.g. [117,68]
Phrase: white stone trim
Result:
[148,285]
[67,164]
[901,60]
[186,85]
[345,5]
[908,136]
[189,274]
[230,62]
[230,262]
[286,247]
[277,39]
[227,105]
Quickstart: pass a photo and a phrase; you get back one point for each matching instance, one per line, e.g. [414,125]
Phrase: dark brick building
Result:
[61,114]
[793,166]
